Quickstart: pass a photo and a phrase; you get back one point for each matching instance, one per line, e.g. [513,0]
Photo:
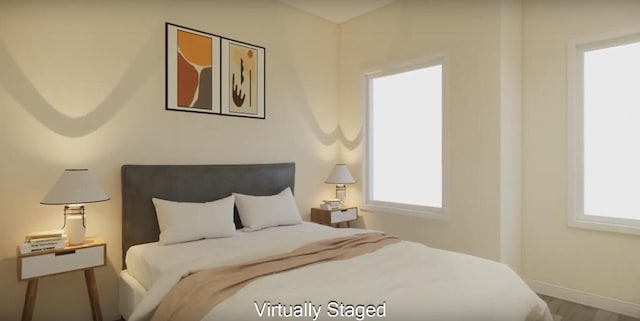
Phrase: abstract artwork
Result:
[207,73]
[193,70]
[243,71]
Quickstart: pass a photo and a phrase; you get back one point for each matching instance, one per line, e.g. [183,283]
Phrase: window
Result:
[404,154]
[605,132]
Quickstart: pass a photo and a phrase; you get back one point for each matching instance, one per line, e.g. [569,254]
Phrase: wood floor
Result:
[569,311]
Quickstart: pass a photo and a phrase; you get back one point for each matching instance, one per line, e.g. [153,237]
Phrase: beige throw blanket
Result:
[195,295]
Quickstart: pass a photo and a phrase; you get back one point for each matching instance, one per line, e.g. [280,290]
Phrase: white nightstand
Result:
[32,266]
[334,217]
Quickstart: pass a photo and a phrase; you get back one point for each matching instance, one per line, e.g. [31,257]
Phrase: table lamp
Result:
[340,176]
[73,189]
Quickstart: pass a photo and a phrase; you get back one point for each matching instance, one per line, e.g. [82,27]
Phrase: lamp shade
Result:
[75,186]
[340,175]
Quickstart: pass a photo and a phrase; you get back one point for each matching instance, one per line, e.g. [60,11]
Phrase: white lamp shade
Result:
[340,175]
[75,186]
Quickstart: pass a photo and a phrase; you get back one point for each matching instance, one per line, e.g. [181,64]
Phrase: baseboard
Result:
[590,299]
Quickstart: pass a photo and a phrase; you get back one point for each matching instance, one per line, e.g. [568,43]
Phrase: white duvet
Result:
[403,281]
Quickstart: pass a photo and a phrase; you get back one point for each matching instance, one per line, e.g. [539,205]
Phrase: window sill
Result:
[632,227]
[434,214]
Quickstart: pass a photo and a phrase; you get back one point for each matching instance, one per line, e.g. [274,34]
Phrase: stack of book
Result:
[40,241]
[331,204]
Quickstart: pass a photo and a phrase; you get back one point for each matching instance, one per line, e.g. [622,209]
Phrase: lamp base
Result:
[341,192]
[75,228]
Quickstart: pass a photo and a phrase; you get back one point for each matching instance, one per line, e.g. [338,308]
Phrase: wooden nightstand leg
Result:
[90,277]
[30,300]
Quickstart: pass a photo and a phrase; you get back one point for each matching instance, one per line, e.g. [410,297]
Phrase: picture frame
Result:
[243,79]
[211,74]
[192,70]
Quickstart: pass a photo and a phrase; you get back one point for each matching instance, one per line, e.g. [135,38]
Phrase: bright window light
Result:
[611,116]
[406,140]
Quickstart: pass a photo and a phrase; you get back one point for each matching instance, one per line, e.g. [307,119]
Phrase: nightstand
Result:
[334,217]
[32,266]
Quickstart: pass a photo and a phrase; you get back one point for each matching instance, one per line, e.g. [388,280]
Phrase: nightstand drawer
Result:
[61,261]
[344,215]
[334,217]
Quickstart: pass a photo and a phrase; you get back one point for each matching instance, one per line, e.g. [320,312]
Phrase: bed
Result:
[394,280]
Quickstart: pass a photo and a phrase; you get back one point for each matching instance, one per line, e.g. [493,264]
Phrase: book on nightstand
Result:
[331,204]
[44,234]
[41,241]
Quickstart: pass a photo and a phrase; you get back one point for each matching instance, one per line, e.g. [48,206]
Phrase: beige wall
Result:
[82,85]
[508,134]
[601,263]
[470,34]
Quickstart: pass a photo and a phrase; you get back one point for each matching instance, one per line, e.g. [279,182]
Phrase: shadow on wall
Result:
[391,53]
[330,137]
[326,138]
[296,92]
[22,89]
[24,92]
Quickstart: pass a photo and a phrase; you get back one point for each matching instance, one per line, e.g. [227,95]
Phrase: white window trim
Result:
[368,204]
[575,209]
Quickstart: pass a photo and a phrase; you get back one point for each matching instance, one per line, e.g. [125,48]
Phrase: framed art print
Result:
[193,71]
[243,79]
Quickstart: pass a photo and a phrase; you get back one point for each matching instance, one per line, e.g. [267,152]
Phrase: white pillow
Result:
[183,221]
[258,212]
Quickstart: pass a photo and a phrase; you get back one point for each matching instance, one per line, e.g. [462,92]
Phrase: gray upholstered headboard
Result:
[190,183]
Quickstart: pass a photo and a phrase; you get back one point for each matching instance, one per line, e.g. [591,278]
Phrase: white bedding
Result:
[147,262]
[409,280]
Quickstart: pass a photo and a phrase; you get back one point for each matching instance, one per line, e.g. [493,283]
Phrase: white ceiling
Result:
[337,11]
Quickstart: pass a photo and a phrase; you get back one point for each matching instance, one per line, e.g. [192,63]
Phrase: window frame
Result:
[576,50]
[368,204]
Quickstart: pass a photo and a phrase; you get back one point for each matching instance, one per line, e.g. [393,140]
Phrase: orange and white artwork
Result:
[193,70]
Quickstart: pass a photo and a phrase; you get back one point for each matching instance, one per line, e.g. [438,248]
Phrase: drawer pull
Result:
[59,253]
